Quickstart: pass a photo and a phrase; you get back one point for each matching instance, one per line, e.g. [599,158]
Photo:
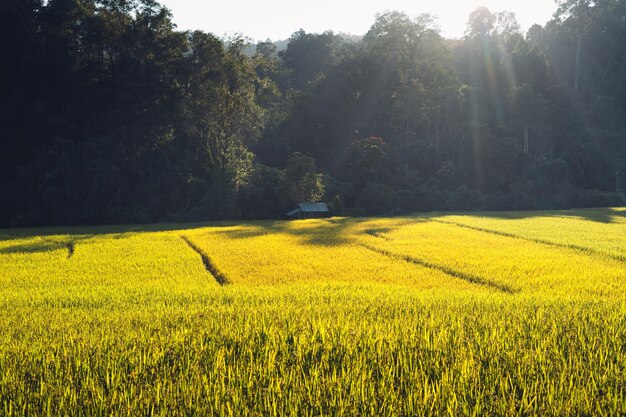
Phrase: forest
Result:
[110,114]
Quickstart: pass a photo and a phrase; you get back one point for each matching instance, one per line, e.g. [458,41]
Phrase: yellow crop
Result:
[491,314]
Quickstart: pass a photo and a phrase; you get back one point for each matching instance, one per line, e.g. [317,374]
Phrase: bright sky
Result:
[278,19]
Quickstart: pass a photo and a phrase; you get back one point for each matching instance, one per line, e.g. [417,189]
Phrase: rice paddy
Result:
[438,314]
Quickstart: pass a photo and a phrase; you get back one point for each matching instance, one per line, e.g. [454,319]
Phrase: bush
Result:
[336,206]
[514,200]
[356,212]
[259,199]
[377,198]
[597,198]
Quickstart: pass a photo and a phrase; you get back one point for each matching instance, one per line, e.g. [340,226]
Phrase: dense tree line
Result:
[108,114]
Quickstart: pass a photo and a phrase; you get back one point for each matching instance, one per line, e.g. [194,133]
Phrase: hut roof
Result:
[313,207]
[309,208]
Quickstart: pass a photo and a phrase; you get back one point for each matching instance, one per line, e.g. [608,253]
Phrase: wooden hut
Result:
[309,211]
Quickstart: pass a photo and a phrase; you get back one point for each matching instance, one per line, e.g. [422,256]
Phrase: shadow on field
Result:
[322,232]
[43,244]
[47,239]
[76,233]
[331,232]
[599,215]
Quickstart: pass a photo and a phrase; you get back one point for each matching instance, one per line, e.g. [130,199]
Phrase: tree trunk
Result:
[526,139]
[577,64]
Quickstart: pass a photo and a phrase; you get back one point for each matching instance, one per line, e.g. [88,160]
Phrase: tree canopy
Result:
[109,114]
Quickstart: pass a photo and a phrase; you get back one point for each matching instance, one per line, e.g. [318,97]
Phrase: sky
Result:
[278,19]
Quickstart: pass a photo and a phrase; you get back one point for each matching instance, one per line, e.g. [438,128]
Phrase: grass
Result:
[490,314]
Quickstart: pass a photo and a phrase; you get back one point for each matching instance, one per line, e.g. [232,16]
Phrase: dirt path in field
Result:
[208,264]
[583,249]
[474,279]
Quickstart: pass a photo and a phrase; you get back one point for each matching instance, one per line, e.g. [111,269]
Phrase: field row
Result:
[451,252]
[504,314]
[317,350]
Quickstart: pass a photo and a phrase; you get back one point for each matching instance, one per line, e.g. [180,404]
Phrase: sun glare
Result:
[279,19]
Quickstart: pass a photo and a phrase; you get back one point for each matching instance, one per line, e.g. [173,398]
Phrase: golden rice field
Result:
[468,314]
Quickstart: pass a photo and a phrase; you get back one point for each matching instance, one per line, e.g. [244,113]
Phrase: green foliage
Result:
[260,198]
[301,183]
[109,114]
[336,206]
[367,160]
[376,198]
[309,56]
